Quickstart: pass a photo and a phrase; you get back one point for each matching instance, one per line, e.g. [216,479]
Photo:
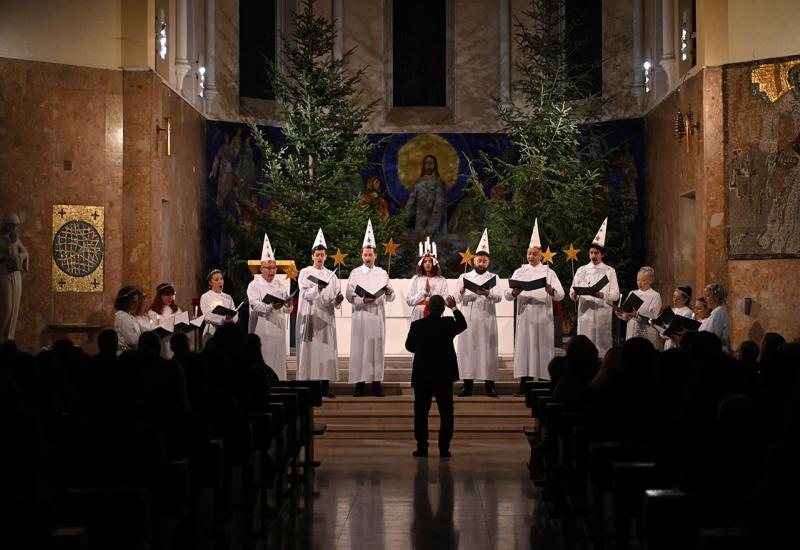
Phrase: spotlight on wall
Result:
[167,129]
[684,127]
[647,67]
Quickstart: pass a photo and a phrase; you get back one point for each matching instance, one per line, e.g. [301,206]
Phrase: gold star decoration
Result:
[338,258]
[466,257]
[291,271]
[547,256]
[572,253]
[390,247]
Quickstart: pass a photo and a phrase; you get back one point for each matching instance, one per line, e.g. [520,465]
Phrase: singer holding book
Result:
[269,307]
[638,327]
[212,298]
[163,306]
[534,340]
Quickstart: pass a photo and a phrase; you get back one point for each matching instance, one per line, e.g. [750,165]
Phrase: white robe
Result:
[208,302]
[368,326]
[477,346]
[595,315]
[128,331]
[269,323]
[416,293]
[684,311]
[317,357]
[719,322]
[157,318]
[651,308]
[534,338]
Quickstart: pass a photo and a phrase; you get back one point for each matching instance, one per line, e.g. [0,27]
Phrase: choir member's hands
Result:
[322,286]
[339,298]
[598,295]
[450,302]
[278,305]
[549,289]
[369,300]
[515,292]
[483,292]
[230,317]
[462,290]
[389,291]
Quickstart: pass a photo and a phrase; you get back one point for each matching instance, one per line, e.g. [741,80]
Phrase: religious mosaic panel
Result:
[78,248]
[762,159]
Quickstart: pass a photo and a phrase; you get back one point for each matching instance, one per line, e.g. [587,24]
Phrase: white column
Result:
[182,66]
[210,93]
[667,61]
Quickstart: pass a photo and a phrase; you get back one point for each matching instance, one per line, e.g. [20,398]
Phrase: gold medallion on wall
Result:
[411,155]
[78,249]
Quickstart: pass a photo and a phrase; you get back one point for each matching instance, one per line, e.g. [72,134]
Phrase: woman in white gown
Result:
[128,328]
[651,308]
[426,282]
[212,298]
[680,306]
[164,306]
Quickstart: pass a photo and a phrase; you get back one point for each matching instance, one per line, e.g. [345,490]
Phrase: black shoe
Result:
[359,390]
[419,453]
[445,454]
[329,395]
[519,394]
[465,392]
[491,393]
[377,390]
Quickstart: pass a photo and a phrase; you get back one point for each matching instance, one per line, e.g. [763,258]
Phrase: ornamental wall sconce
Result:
[167,129]
[685,127]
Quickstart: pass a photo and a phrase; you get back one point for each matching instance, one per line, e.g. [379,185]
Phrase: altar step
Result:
[392,418]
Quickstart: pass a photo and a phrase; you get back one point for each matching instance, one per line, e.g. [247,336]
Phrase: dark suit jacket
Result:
[431,341]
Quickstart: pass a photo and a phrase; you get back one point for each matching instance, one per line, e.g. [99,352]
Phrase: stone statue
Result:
[426,209]
[13,262]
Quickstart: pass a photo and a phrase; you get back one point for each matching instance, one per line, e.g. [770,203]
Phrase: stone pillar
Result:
[637,86]
[182,66]
[667,61]
[210,93]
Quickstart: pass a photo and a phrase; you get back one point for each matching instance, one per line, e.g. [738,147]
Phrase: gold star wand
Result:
[390,249]
[466,259]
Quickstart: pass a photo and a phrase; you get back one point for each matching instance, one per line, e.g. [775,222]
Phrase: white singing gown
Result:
[417,294]
[156,319]
[651,308]
[316,327]
[533,343]
[368,328]
[208,302]
[477,346]
[595,315]
[269,323]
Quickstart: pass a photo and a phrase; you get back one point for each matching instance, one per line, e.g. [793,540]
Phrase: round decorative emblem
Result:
[78,248]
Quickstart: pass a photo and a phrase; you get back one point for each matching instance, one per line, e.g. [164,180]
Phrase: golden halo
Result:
[410,156]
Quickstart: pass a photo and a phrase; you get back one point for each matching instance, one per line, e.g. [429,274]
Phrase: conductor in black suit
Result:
[435,369]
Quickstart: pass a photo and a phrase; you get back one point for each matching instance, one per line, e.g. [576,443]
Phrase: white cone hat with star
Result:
[483,246]
[267,253]
[369,236]
[600,238]
[535,241]
[320,241]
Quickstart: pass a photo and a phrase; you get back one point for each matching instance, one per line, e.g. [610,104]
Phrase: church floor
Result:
[373,494]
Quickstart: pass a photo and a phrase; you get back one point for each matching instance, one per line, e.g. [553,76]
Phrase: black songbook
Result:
[475,287]
[224,311]
[270,299]
[182,323]
[536,284]
[591,290]
[663,318]
[366,294]
[166,326]
[680,324]
[319,281]
[631,302]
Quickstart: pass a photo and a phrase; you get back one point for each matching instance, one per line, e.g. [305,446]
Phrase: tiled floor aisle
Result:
[374,495]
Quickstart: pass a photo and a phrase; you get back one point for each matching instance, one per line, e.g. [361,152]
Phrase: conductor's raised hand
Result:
[450,302]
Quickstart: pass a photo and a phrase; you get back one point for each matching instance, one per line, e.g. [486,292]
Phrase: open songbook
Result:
[322,282]
[366,294]
[632,302]
[591,290]
[680,324]
[474,287]
[224,311]
[270,299]
[663,318]
[536,284]
[178,322]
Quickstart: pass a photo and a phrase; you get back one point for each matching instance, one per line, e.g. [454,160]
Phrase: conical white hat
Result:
[320,240]
[535,241]
[369,236]
[483,246]
[600,238]
[266,250]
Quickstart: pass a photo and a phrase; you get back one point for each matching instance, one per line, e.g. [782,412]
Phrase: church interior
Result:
[139,140]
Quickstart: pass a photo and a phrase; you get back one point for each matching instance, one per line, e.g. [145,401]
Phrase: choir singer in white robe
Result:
[595,314]
[426,282]
[268,320]
[212,298]
[477,346]
[650,308]
[317,356]
[533,345]
[368,326]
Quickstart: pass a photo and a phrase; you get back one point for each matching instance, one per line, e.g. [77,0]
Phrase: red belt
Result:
[425,310]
